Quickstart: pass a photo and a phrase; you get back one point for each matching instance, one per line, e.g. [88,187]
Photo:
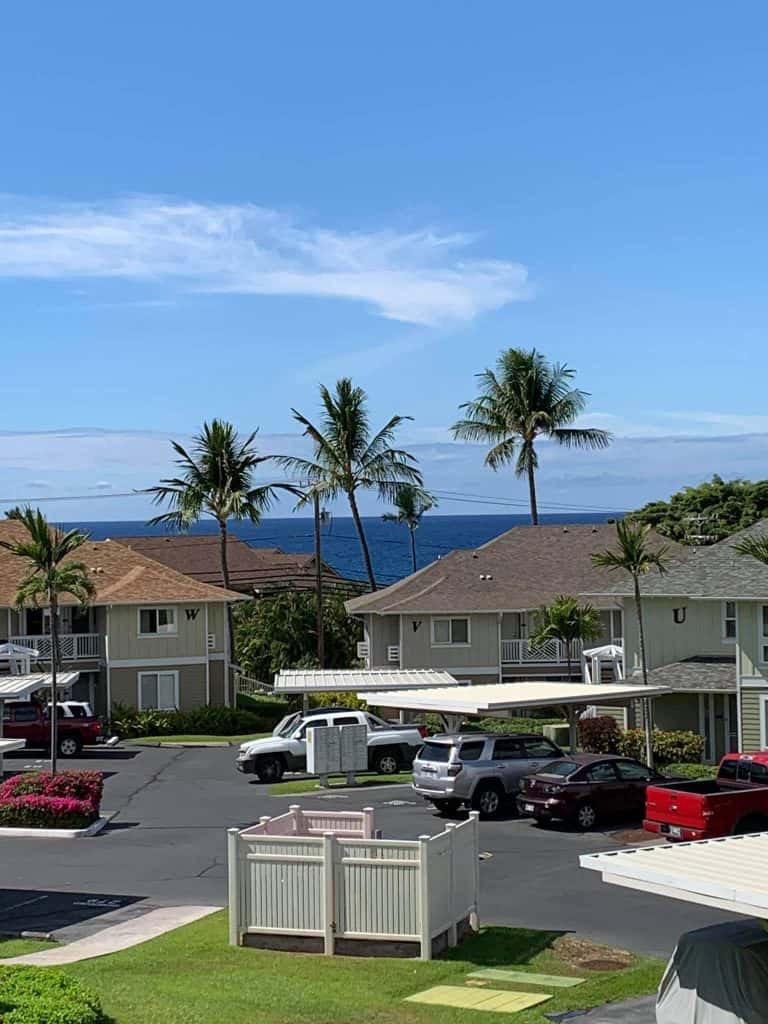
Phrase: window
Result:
[540,748]
[472,751]
[313,723]
[450,632]
[158,690]
[759,774]
[436,752]
[507,749]
[728,770]
[24,714]
[561,768]
[347,720]
[631,771]
[601,773]
[157,622]
[763,638]
[729,621]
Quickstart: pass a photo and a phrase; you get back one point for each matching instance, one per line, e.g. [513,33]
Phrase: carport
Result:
[454,704]
[293,682]
[22,688]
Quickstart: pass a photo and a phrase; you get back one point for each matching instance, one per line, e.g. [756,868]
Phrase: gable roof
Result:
[199,556]
[523,568]
[717,571]
[120,575]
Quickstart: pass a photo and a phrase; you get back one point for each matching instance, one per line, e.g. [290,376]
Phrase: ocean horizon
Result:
[389,542]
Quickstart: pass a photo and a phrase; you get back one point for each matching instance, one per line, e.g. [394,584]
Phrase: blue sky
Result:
[208,210]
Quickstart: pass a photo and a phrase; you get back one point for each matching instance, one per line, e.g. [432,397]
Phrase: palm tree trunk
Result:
[413,549]
[363,541]
[532,494]
[319,585]
[54,612]
[223,537]
[644,670]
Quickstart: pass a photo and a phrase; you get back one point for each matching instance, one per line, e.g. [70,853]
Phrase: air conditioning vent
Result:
[211,641]
[363,649]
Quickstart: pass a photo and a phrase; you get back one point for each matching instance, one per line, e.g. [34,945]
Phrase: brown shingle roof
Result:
[198,556]
[120,575]
[523,568]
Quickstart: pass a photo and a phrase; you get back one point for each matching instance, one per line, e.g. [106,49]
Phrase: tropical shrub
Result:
[501,725]
[691,771]
[675,747]
[35,811]
[87,786]
[128,722]
[600,735]
[44,995]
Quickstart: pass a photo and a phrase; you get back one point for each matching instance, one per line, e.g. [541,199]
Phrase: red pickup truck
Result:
[30,721]
[733,803]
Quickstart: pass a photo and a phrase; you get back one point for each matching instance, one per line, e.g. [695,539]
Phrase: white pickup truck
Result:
[390,747]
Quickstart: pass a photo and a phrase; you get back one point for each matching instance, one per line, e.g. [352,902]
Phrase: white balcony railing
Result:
[553,652]
[72,646]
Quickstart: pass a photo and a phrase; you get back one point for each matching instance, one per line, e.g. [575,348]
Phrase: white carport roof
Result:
[330,680]
[485,700]
[730,874]
[21,687]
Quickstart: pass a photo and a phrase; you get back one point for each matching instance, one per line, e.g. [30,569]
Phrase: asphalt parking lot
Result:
[166,844]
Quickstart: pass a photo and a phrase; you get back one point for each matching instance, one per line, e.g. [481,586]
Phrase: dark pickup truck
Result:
[733,803]
[30,721]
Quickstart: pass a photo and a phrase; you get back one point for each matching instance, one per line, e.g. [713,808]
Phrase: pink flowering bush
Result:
[78,785]
[34,811]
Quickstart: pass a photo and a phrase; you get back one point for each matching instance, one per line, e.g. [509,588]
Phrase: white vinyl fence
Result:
[324,875]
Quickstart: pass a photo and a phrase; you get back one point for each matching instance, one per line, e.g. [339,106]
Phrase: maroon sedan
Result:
[586,789]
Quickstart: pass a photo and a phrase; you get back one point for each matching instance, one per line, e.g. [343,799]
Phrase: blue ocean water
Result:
[389,542]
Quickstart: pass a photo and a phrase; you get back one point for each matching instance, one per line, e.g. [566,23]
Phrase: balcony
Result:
[553,652]
[72,646]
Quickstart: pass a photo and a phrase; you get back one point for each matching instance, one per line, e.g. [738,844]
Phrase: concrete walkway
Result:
[120,936]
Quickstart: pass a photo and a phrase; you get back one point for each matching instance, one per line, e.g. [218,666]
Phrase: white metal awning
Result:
[360,680]
[729,874]
[499,697]
[22,687]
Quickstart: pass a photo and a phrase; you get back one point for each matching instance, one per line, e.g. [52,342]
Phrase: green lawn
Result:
[153,741]
[339,782]
[191,976]
[20,947]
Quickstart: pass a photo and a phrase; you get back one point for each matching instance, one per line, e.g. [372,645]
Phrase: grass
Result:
[152,741]
[191,976]
[363,779]
[22,947]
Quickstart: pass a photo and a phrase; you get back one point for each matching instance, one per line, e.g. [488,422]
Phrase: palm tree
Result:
[635,556]
[216,480]
[757,547]
[347,459]
[411,503]
[51,573]
[567,621]
[523,399]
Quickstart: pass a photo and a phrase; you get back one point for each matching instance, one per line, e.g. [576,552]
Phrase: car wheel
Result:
[386,763]
[270,769]
[70,746]
[586,816]
[487,800]
[447,806]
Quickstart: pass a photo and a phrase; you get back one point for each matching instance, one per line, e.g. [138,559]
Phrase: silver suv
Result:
[481,770]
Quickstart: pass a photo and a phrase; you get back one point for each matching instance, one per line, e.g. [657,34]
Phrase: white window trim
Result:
[726,618]
[447,618]
[155,608]
[156,672]
[762,639]
[763,730]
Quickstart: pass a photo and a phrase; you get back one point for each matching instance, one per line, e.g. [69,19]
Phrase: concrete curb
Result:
[54,833]
[177,746]
[120,936]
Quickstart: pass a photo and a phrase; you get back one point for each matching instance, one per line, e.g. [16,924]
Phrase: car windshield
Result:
[435,752]
[287,725]
[561,768]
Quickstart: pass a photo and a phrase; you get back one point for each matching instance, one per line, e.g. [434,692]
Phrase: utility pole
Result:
[319,584]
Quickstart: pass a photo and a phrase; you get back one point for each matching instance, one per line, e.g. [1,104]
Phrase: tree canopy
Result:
[281,632]
[709,512]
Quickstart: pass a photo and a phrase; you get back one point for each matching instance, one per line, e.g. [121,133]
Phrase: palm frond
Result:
[755,547]
[586,437]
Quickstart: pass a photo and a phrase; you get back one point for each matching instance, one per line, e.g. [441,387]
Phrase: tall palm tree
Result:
[217,481]
[51,573]
[635,556]
[412,503]
[523,399]
[567,621]
[757,547]
[347,458]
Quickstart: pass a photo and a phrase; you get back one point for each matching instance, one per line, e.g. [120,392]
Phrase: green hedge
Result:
[500,725]
[691,771]
[128,723]
[44,995]
[668,747]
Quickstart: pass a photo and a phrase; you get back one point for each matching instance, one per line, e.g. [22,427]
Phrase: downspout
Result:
[739,719]
[109,668]
[227,681]
[207,662]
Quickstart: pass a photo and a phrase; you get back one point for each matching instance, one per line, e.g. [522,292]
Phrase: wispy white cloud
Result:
[422,276]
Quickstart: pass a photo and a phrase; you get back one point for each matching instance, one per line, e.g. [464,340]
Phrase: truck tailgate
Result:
[675,806]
